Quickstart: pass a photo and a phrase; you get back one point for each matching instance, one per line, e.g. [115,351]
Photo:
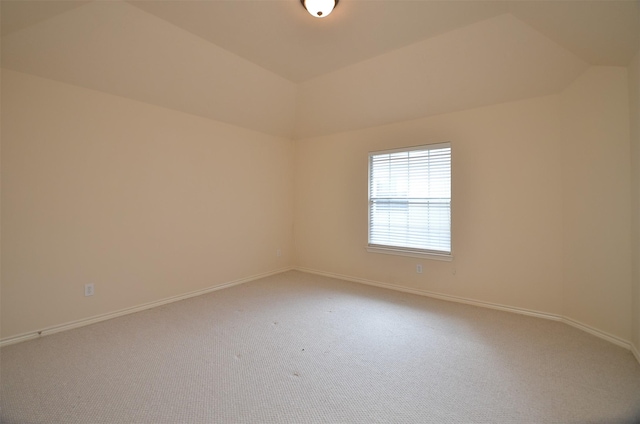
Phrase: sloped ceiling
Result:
[21,14]
[282,37]
[279,36]
[119,49]
[269,66]
[493,61]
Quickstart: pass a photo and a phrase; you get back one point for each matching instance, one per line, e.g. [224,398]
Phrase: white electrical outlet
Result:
[88,289]
[419,269]
[278,252]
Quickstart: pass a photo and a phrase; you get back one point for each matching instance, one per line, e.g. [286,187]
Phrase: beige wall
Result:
[148,203]
[596,200]
[634,114]
[515,167]
[144,202]
[506,216]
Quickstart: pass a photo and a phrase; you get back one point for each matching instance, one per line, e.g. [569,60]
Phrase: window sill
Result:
[410,253]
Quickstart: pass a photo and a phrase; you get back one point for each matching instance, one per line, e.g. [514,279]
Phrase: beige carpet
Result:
[300,348]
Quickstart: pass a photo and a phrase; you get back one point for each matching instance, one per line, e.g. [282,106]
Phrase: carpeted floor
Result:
[300,348]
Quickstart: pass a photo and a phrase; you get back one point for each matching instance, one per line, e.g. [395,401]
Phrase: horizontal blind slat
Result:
[410,199]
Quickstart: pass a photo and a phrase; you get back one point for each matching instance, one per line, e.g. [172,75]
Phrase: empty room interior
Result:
[396,211]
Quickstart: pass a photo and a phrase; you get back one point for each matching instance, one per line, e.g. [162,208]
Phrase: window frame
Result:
[408,251]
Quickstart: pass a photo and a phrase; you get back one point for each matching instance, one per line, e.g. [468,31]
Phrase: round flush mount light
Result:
[319,8]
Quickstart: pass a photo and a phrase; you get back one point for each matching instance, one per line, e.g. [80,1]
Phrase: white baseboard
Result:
[103,317]
[554,317]
[635,352]
[599,333]
[435,295]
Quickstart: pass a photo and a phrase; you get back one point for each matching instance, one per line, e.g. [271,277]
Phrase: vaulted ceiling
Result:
[269,66]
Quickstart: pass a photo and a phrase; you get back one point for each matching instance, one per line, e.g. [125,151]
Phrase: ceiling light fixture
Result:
[319,8]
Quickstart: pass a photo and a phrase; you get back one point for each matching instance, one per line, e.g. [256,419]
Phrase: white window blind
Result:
[410,199]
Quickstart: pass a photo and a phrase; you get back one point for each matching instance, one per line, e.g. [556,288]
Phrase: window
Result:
[410,201]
